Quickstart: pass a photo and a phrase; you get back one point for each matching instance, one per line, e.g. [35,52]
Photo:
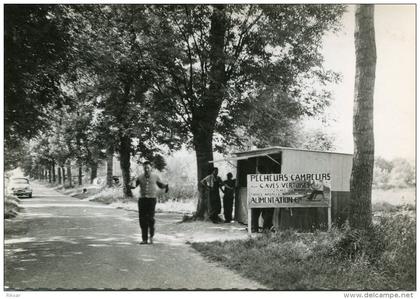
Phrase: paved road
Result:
[60,242]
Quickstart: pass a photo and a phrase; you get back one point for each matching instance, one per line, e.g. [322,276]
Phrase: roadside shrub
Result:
[389,246]
[359,244]
[11,206]
[179,192]
[407,207]
[67,186]
[399,257]
[109,195]
[384,206]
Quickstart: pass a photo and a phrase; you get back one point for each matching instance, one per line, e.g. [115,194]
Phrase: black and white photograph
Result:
[260,147]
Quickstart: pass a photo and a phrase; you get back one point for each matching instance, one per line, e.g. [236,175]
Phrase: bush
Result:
[384,206]
[359,244]
[109,195]
[389,246]
[179,192]
[399,256]
[398,173]
[11,206]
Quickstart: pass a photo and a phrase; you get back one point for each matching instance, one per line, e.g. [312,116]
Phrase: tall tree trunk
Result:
[53,172]
[93,171]
[109,166]
[49,174]
[59,174]
[79,162]
[125,147]
[80,176]
[204,121]
[204,153]
[362,172]
[64,174]
[69,177]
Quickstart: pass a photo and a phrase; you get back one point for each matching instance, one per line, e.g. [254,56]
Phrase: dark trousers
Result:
[147,216]
[267,215]
[215,205]
[228,206]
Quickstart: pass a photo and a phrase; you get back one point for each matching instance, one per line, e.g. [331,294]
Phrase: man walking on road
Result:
[148,182]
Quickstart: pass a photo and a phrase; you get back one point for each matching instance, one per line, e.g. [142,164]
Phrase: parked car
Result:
[20,187]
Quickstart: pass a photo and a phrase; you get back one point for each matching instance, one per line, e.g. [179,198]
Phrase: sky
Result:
[394,98]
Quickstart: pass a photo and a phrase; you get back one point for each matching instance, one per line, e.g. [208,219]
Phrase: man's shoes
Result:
[151,240]
[143,243]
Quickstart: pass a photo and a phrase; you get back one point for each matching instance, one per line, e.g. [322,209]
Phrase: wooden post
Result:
[329,218]
[249,220]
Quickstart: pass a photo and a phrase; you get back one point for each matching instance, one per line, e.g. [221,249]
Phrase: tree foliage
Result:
[36,46]
[114,56]
[271,61]
[396,173]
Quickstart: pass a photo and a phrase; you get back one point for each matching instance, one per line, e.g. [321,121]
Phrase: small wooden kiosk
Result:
[283,160]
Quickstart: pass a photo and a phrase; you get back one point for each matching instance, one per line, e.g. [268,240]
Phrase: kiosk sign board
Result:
[284,190]
[289,190]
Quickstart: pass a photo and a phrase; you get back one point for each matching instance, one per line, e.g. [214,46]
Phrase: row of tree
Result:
[83,82]
[397,173]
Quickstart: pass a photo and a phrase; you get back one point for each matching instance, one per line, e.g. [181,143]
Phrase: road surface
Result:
[59,242]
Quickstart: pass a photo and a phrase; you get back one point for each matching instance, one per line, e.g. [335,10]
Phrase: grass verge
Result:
[342,259]
[11,207]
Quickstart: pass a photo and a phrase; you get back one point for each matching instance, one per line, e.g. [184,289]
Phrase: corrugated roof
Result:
[277,149]
[268,151]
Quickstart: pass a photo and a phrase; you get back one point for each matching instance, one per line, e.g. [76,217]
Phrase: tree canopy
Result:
[36,43]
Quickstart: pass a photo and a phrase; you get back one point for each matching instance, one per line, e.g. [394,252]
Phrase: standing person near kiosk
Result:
[229,194]
[149,182]
[214,183]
